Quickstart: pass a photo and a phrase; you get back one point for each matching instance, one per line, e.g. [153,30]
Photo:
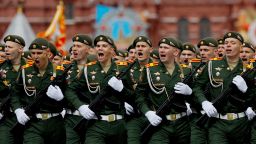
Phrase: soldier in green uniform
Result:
[57,59]
[52,51]
[154,55]
[95,77]
[158,79]
[247,52]
[119,56]
[135,125]
[2,53]
[188,52]
[131,52]
[230,122]
[9,70]
[81,45]
[45,125]
[206,46]
[221,48]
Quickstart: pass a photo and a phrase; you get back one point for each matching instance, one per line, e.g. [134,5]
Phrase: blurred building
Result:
[188,20]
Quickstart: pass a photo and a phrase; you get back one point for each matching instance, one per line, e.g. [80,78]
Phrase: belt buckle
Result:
[173,116]
[45,116]
[230,116]
[111,118]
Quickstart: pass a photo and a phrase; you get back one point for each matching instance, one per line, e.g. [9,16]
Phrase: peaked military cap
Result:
[155,54]
[59,54]
[26,54]
[220,41]
[39,43]
[85,39]
[53,48]
[105,39]
[172,42]
[235,35]
[2,47]
[15,38]
[189,46]
[209,41]
[249,45]
[130,47]
[142,39]
[121,53]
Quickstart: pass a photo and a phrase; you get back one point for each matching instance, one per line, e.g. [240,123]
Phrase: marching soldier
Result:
[230,122]
[9,70]
[45,123]
[221,48]
[131,52]
[158,79]
[247,52]
[188,52]
[110,125]
[57,59]
[135,125]
[206,46]
[154,55]
[2,53]
[80,49]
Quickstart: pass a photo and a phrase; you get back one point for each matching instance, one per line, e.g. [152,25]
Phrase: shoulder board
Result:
[151,64]
[130,61]
[27,65]
[253,60]
[91,63]
[215,59]
[2,61]
[195,60]
[60,68]
[66,62]
[183,65]
[30,61]
[124,63]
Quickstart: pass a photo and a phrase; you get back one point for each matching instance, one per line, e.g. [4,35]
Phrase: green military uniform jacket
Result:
[8,77]
[92,81]
[30,83]
[220,76]
[150,91]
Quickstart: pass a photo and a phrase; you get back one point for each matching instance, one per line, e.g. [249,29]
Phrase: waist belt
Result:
[231,116]
[45,116]
[76,112]
[111,117]
[173,117]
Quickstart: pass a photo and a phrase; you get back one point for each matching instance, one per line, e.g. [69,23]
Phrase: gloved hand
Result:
[86,112]
[128,108]
[1,116]
[189,111]
[250,113]
[240,83]
[22,117]
[153,118]
[181,88]
[209,109]
[116,84]
[54,92]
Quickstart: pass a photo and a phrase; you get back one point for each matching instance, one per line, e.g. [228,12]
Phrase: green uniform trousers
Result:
[73,137]
[177,132]
[134,128]
[229,131]
[198,135]
[50,131]
[6,124]
[103,132]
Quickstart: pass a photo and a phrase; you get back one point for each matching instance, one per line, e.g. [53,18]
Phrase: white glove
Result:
[128,108]
[250,113]
[22,117]
[181,88]
[54,92]
[116,84]
[189,111]
[1,116]
[209,109]
[240,83]
[153,118]
[86,112]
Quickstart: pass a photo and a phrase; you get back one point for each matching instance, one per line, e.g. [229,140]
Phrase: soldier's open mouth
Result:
[101,55]
[37,61]
[244,59]
[186,61]
[162,55]
[140,54]
[228,50]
